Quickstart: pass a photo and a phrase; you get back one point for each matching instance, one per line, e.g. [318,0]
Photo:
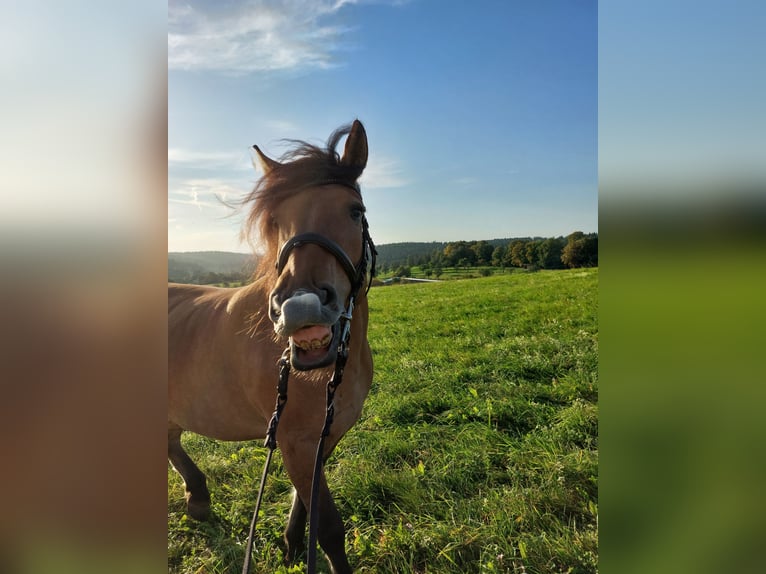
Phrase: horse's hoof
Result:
[292,555]
[197,509]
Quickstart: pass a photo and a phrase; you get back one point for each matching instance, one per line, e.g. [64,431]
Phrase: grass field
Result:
[448,273]
[476,451]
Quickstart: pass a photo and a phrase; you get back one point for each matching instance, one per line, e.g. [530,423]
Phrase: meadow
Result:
[477,451]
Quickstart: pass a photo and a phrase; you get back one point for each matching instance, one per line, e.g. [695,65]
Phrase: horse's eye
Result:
[357,211]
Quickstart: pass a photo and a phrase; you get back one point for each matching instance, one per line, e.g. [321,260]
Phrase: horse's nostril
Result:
[327,295]
[275,308]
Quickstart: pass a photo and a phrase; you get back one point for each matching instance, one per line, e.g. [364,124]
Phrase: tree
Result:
[518,253]
[591,250]
[483,251]
[581,250]
[498,255]
[457,251]
[437,259]
[210,278]
[531,250]
[549,253]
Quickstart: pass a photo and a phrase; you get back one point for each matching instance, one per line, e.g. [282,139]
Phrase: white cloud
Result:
[204,193]
[382,172]
[253,35]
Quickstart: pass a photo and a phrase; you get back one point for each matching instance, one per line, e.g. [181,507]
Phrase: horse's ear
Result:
[355,152]
[267,164]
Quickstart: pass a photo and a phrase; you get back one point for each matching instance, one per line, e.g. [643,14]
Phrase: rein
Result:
[271,444]
[357,275]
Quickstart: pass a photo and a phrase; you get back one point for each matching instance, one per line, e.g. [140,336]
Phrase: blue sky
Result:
[481,117]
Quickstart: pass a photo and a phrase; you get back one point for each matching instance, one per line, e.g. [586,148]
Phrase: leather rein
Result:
[357,274]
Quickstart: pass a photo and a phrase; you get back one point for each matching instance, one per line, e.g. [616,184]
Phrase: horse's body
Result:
[224,344]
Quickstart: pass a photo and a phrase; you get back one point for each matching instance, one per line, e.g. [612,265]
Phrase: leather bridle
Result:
[356,274]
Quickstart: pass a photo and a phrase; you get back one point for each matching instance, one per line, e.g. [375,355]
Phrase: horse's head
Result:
[319,236]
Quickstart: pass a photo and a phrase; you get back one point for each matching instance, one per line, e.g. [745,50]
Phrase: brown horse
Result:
[224,344]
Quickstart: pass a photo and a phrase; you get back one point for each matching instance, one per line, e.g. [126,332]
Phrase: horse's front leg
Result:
[331,532]
[295,533]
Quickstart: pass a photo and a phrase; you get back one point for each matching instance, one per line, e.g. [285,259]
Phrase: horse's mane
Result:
[305,165]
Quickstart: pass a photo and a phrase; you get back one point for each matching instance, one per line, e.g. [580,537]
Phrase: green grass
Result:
[448,273]
[476,451]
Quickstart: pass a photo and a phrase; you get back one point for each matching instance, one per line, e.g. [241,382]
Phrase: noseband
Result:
[356,273]
[329,245]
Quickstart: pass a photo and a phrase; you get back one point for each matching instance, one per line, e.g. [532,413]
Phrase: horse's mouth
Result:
[313,347]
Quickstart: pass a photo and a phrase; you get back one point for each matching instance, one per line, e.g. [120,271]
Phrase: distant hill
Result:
[210,266]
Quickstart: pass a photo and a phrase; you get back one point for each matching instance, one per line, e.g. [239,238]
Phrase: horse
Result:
[224,343]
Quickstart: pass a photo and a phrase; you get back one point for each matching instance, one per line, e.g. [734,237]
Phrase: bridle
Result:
[357,275]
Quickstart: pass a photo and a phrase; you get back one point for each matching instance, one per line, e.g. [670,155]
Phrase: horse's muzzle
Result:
[308,354]
[311,328]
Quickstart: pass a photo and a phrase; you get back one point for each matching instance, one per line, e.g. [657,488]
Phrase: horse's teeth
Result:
[314,344]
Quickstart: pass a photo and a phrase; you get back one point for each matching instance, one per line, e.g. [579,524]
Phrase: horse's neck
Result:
[249,304]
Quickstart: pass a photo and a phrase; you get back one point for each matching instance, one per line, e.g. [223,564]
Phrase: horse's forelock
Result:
[305,165]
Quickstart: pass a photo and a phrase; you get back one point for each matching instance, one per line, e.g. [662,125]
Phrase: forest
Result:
[578,249]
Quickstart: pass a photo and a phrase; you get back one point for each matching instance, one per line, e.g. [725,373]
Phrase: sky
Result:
[481,117]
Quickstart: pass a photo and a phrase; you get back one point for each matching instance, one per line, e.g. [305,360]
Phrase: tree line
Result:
[577,249]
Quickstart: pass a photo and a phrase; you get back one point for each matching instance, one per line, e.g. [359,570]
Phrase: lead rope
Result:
[271,443]
[332,385]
